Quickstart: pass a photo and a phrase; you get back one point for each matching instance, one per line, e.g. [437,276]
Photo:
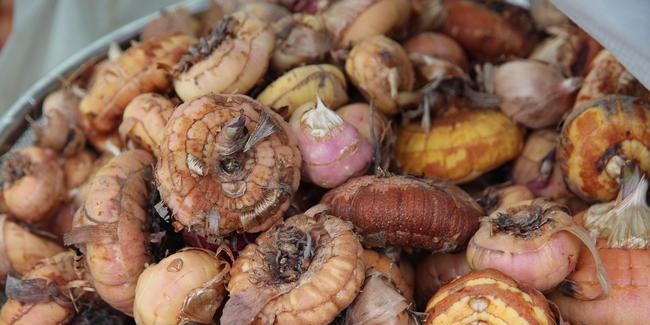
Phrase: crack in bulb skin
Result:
[227,164]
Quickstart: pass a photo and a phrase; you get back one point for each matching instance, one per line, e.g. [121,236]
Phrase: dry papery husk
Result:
[110,227]
[227,163]
[488,297]
[406,211]
[304,270]
[392,268]
[46,294]
[185,287]
[379,302]
[21,249]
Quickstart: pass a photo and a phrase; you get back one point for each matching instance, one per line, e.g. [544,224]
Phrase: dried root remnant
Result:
[304,270]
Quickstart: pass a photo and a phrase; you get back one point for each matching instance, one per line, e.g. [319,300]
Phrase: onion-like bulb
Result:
[332,149]
[535,243]
[532,93]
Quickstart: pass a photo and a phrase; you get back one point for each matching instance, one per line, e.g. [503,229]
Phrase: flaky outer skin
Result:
[595,132]
[403,211]
[58,269]
[460,146]
[196,200]
[118,196]
[627,303]
[369,65]
[144,121]
[329,285]
[21,248]
[375,261]
[142,68]
[235,66]
[487,297]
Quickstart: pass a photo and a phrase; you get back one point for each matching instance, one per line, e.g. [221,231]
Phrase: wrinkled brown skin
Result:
[177,21]
[489,35]
[140,69]
[144,121]
[405,211]
[614,125]
[391,270]
[58,270]
[436,270]
[111,227]
[482,295]
[379,303]
[78,168]
[328,285]
[39,190]
[214,205]
[20,249]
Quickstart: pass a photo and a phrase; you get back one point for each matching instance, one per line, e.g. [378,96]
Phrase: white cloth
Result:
[621,26]
[45,32]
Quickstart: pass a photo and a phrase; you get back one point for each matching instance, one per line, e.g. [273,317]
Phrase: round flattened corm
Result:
[185,287]
[140,69]
[617,129]
[406,211]
[305,270]
[227,163]
[231,59]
